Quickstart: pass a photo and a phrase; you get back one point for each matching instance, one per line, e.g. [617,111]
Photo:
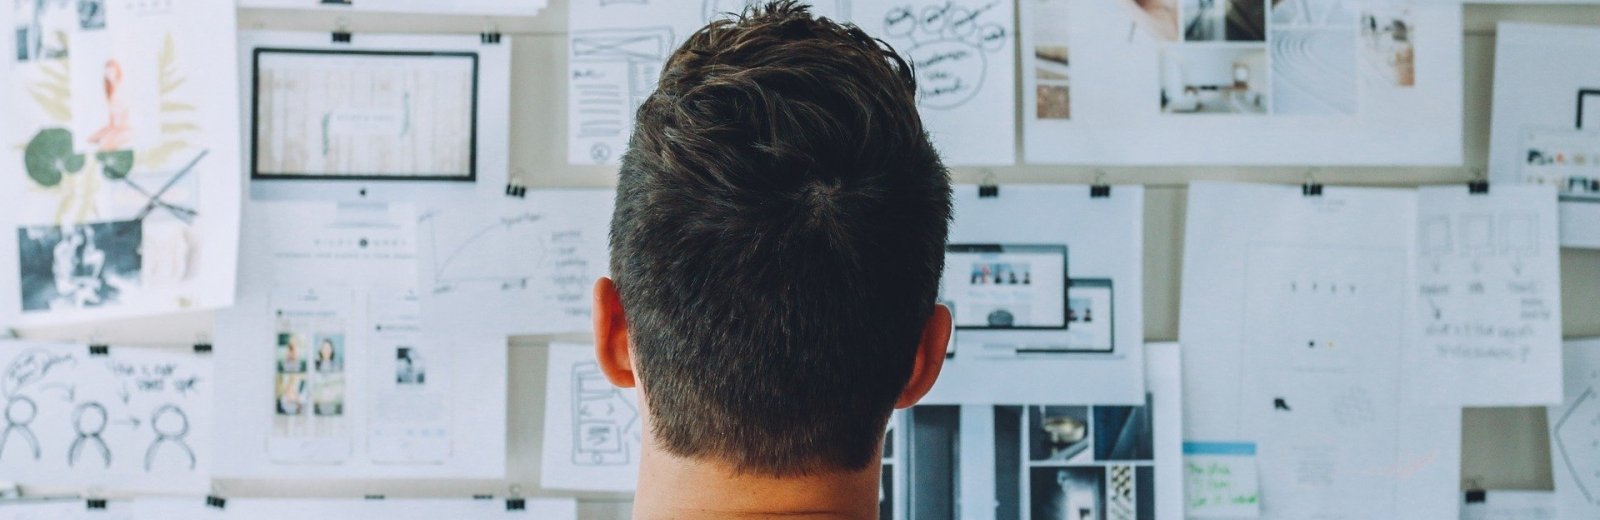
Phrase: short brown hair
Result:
[778,241]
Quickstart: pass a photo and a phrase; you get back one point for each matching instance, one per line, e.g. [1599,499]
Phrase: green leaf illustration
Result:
[115,164]
[49,157]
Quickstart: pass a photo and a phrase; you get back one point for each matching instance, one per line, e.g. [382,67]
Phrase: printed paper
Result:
[1488,302]
[122,193]
[1045,283]
[328,339]
[1546,126]
[1305,361]
[134,418]
[1185,82]
[1575,432]
[1511,505]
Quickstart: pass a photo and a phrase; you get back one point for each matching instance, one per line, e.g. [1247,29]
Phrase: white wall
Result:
[1503,448]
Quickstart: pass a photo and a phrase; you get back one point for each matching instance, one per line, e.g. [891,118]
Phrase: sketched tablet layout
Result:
[1007,286]
[364,115]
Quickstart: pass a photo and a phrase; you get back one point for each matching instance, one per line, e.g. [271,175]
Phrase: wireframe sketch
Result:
[400,115]
[613,71]
[1519,234]
[1314,71]
[605,424]
[80,266]
[949,46]
[1214,80]
[172,427]
[90,420]
[1388,56]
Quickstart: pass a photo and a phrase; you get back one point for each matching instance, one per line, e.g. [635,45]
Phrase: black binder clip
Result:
[214,500]
[342,33]
[987,189]
[490,35]
[1478,185]
[516,190]
[99,349]
[515,502]
[1311,188]
[1099,190]
[202,345]
[95,504]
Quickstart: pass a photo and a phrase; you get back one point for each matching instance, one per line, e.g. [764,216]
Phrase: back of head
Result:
[777,242]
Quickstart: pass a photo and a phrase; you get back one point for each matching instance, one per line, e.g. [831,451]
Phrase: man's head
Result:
[776,248]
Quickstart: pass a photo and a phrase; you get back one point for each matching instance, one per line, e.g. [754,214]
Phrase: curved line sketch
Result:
[17,421]
[164,437]
[90,420]
[1314,71]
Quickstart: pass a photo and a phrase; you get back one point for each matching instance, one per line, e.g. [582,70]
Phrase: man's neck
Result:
[672,487]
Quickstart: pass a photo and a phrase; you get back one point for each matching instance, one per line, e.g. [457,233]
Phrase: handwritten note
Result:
[1488,301]
[1220,480]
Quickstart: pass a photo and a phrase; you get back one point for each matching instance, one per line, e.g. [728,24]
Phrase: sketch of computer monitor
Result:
[1008,299]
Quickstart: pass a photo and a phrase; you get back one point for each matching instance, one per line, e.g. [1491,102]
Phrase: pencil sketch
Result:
[171,426]
[604,422]
[612,72]
[90,420]
[20,412]
[949,45]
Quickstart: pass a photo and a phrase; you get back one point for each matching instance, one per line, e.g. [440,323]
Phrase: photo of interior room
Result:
[1214,80]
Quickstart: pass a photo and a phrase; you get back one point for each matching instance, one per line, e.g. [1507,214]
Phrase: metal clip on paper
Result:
[1479,185]
[342,33]
[490,35]
[987,189]
[99,349]
[514,501]
[202,344]
[1099,190]
[1311,188]
[215,499]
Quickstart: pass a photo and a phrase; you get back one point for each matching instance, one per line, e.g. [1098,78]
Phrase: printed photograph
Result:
[1073,493]
[1214,80]
[1224,20]
[408,368]
[1159,18]
[91,14]
[1313,13]
[78,266]
[1002,273]
[290,392]
[1051,72]
[42,27]
[1389,59]
[1123,433]
[1314,71]
[1058,433]
[329,375]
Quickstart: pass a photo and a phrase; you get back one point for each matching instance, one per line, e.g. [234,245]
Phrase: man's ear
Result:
[611,335]
[930,357]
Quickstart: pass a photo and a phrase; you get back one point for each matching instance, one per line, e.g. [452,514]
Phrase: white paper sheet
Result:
[592,429]
[963,49]
[195,508]
[1102,238]
[1294,316]
[1156,82]
[1544,93]
[1575,432]
[1488,302]
[459,7]
[515,265]
[1010,462]
[316,341]
[964,54]
[63,509]
[121,198]
[1512,505]
[327,145]
[133,419]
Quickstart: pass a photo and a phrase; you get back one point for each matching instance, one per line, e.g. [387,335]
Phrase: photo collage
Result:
[1048,461]
[309,380]
[1283,57]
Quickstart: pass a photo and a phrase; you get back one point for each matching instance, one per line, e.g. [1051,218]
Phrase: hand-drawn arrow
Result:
[131,421]
[123,393]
